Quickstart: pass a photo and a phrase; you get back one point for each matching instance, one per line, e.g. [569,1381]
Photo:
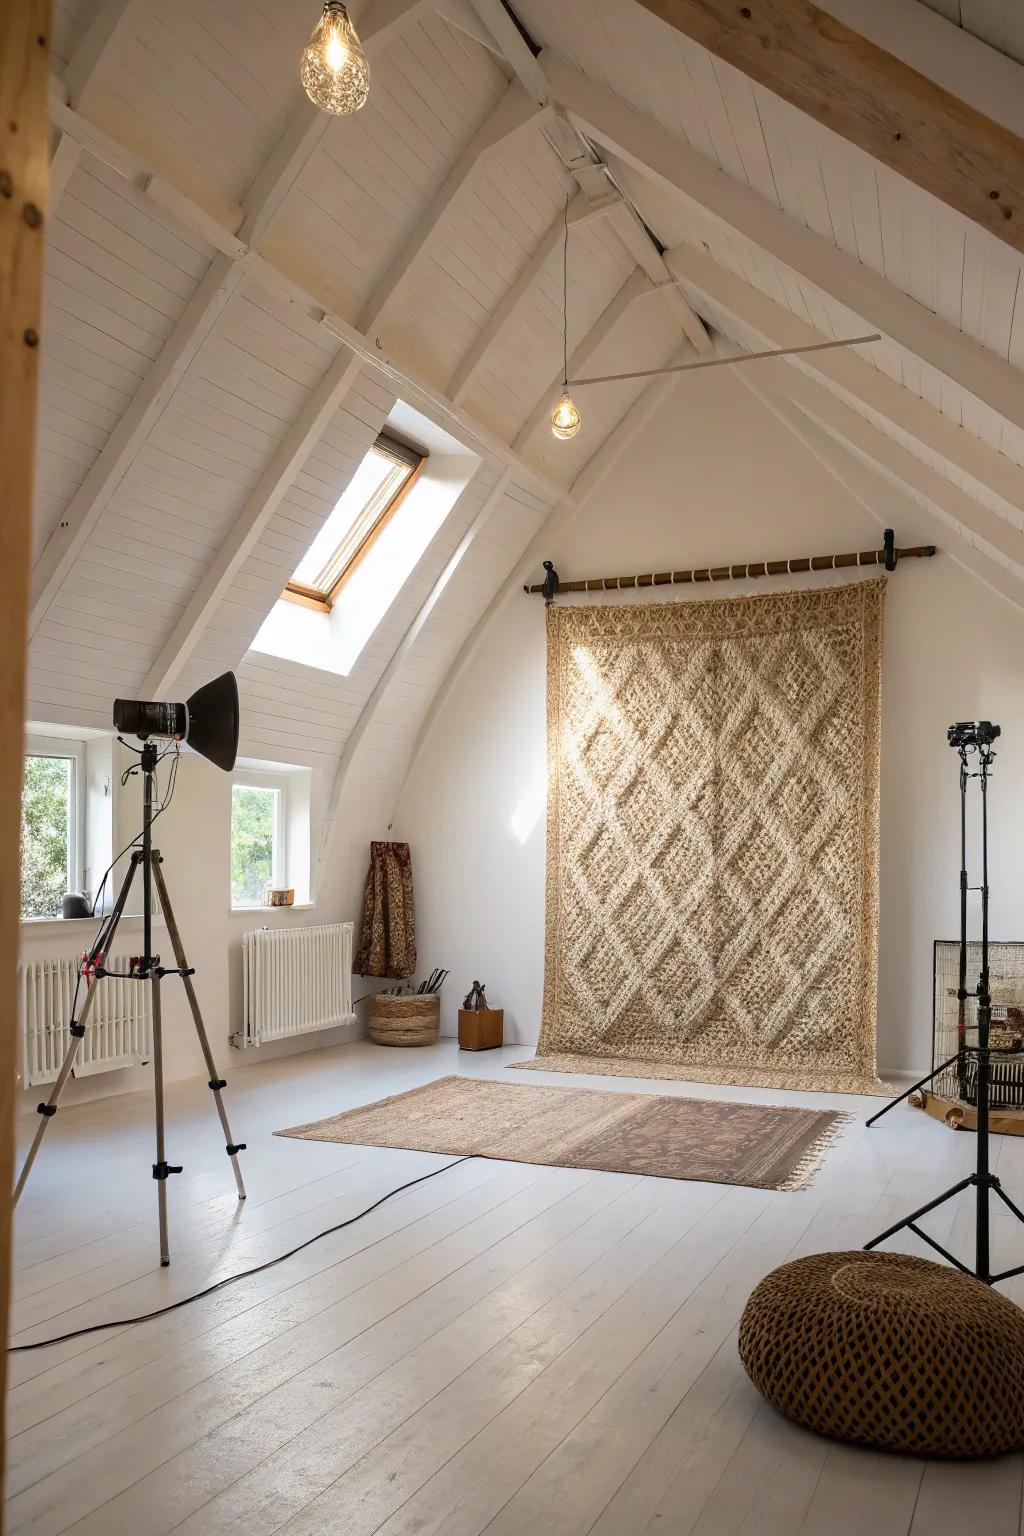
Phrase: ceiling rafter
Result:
[580,161]
[869,97]
[581,211]
[82,78]
[635,286]
[285,464]
[233,259]
[654,152]
[639,244]
[946,53]
[935,433]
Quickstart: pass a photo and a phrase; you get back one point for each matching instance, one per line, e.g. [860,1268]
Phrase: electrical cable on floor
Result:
[257,1269]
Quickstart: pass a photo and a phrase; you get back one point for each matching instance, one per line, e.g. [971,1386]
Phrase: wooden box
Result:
[481,1030]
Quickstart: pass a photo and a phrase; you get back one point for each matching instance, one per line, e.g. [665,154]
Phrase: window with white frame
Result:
[52,824]
[259,824]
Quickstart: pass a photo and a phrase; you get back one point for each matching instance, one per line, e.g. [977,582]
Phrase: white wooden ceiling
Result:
[206,220]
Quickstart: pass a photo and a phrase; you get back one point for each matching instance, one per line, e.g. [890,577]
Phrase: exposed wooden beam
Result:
[80,131]
[644,144]
[369,710]
[84,75]
[516,115]
[933,432]
[285,463]
[637,284]
[235,257]
[114,460]
[871,98]
[24,68]
[888,502]
[949,55]
[91,61]
[514,47]
[639,244]
[581,211]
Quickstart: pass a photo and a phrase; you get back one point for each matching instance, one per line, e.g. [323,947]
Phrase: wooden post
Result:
[24,196]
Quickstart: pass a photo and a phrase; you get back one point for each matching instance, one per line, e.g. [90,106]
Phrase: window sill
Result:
[132,920]
[296,906]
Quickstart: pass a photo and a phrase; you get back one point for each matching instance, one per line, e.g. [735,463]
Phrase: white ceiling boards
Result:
[241,290]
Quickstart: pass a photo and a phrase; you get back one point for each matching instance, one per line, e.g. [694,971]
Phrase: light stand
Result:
[146,968]
[967,738]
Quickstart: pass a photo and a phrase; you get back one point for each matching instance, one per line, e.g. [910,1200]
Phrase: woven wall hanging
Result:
[712,873]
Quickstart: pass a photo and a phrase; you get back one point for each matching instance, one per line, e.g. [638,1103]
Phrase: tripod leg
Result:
[160,1168]
[49,1109]
[216,1082]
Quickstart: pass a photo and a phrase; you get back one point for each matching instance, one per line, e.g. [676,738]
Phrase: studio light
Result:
[565,418]
[334,71]
[208,721]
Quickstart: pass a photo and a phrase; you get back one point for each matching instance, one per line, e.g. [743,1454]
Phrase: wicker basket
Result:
[405,1020]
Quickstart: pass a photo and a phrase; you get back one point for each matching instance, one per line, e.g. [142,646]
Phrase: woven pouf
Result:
[412,1020]
[889,1351]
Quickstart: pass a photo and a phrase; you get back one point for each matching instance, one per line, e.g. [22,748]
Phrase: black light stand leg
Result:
[216,1082]
[913,1089]
[971,738]
[77,1028]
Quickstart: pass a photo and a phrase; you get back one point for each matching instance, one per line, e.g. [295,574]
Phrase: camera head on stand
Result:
[973,736]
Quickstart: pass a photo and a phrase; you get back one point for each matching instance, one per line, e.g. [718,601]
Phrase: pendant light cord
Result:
[565,298]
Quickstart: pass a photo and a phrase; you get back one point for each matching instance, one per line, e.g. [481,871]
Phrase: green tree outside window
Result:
[46,834]
[253,833]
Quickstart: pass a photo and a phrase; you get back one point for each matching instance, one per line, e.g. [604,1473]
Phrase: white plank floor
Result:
[503,1349]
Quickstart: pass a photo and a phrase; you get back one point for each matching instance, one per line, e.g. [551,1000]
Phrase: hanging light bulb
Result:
[334,71]
[565,418]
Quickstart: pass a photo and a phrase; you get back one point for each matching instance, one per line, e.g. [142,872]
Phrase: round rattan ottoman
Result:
[411,1020]
[889,1351]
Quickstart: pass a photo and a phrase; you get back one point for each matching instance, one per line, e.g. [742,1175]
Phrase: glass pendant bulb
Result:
[565,418]
[334,71]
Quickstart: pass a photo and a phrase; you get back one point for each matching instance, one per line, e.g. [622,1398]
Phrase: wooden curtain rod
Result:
[888,555]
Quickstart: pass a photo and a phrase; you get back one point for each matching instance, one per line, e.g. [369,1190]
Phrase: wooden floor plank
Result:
[505,1348]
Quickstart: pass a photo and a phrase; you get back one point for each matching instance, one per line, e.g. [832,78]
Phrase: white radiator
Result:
[119,1032]
[295,980]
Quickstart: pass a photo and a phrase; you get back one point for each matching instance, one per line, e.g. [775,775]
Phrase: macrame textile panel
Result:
[712,855]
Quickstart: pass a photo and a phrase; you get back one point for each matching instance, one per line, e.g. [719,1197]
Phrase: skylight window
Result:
[373,496]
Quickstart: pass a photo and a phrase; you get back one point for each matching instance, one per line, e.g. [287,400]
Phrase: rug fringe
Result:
[812,1160]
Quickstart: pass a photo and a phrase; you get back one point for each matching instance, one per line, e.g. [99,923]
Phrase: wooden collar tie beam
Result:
[888,556]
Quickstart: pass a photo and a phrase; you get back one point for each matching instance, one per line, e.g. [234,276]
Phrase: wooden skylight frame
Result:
[367,526]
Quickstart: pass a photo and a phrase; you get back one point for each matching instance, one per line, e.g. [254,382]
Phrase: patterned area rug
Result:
[765,1146]
[712,859]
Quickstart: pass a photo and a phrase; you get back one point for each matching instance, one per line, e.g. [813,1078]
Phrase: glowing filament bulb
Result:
[565,418]
[334,71]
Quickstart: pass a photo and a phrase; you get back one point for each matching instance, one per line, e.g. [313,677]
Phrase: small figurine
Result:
[476,1002]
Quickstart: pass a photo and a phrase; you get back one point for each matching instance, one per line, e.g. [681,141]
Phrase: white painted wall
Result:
[193,835]
[714,478]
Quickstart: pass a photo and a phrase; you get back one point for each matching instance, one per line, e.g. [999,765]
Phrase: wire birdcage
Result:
[955,1025]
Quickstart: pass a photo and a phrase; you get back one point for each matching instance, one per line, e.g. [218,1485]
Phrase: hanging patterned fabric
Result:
[387,938]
